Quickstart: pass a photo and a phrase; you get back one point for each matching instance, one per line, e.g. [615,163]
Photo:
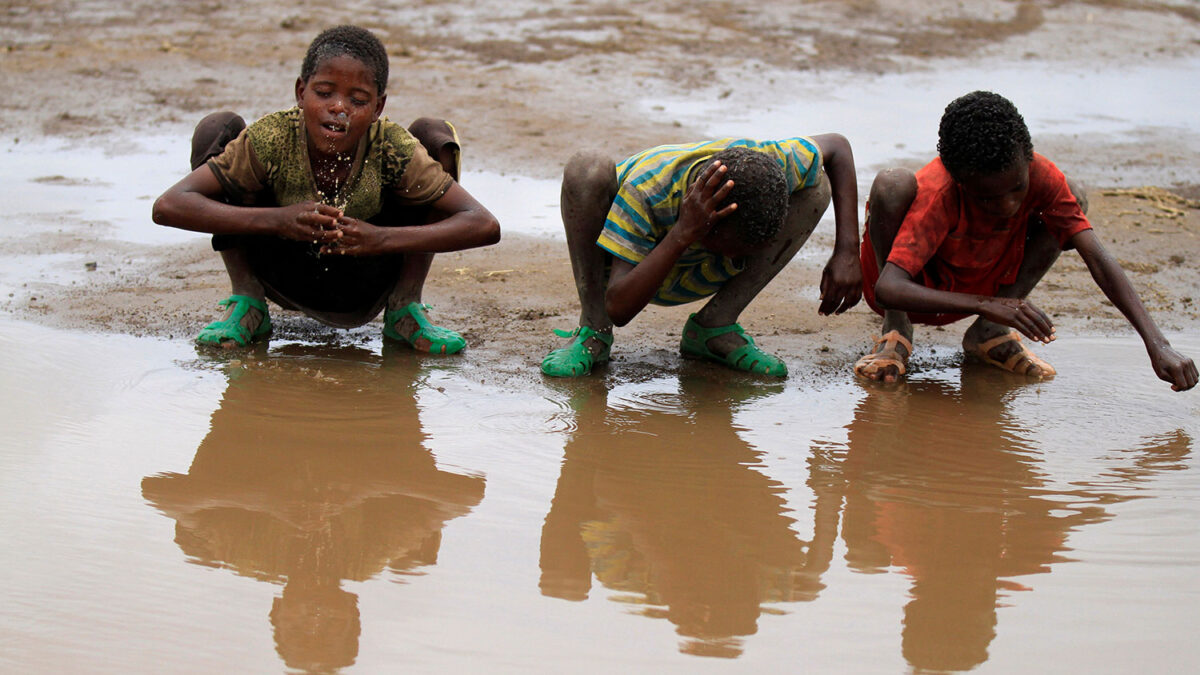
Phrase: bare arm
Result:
[1169,365]
[462,223]
[631,287]
[194,204]
[841,281]
[896,290]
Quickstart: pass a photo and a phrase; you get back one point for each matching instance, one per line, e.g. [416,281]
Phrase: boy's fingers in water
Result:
[1041,328]
[327,210]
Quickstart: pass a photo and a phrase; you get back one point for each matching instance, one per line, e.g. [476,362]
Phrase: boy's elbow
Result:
[491,231]
[616,314]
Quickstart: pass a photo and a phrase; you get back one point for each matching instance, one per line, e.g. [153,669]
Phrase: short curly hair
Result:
[352,41]
[982,133]
[760,191]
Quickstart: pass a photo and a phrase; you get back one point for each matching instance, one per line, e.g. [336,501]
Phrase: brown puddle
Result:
[317,509]
[313,475]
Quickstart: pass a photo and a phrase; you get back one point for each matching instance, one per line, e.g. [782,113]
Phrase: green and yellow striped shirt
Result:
[652,185]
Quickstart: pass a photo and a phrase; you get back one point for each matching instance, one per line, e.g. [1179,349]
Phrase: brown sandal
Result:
[885,355]
[981,352]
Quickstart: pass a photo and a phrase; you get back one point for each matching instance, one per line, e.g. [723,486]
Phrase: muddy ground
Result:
[527,84]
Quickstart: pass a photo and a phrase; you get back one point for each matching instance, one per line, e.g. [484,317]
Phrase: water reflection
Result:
[315,471]
[943,483]
[659,498]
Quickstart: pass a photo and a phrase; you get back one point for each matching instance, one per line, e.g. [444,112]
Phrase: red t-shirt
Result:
[961,249]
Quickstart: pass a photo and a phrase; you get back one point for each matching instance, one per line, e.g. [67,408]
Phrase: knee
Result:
[212,134]
[431,130]
[589,173]
[892,192]
[435,134]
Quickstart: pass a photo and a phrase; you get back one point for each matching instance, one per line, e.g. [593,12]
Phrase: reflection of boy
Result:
[678,223]
[972,233]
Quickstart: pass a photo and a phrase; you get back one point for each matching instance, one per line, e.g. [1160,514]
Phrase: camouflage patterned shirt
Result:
[272,155]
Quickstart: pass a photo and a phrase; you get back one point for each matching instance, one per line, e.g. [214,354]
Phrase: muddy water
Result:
[313,508]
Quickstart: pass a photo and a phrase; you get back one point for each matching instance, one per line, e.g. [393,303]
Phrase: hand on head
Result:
[701,208]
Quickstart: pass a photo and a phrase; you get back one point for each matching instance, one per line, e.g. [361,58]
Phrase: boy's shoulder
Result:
[279,120]
[275,134]
[394,138]
[799,155]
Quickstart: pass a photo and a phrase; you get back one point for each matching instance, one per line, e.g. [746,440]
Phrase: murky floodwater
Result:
[313,508]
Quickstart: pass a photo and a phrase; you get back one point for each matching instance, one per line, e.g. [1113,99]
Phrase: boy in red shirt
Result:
[972,233]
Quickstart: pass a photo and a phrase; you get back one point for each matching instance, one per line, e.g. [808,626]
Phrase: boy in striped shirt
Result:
[718,220]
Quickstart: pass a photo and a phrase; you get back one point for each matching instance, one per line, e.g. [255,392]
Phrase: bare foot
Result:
[889,361]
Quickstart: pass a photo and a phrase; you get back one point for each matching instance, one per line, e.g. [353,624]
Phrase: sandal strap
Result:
[441,340]
[749,353]
[585,332]
[695,343]
[231,328]
[987,345]
[893,337]
[1023,353]
[576,359]
[244,299]
[705,334]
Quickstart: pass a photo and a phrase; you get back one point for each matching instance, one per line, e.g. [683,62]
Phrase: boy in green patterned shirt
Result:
[717,219]
[326,208]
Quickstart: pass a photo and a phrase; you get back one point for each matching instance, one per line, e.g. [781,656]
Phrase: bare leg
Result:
[805,209]
[1041,252]
[244,282]
[208,140]
[588,188]
[440,140]
[892,193]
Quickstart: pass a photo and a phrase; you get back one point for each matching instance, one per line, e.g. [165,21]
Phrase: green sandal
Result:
[231,329]
[441,340]
[576,359]
[748,357]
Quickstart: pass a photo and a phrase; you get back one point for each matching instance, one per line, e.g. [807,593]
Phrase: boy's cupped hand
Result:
[310,221]
[356,237]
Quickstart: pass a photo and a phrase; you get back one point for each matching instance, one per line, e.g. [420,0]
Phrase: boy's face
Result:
[723,239]
[339,102]
[998,194]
